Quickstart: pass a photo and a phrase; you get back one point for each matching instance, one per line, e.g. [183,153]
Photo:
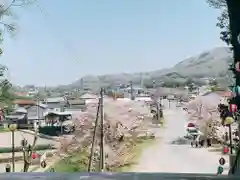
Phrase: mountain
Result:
[210,64]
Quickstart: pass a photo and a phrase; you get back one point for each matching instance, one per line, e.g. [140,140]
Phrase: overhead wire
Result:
[66,45]
[99,108]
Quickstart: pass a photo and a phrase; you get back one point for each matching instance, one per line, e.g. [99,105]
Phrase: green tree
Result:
[7,26]
[6,97]
[223,19]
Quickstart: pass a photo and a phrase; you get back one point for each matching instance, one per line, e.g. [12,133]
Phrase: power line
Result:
[65,44]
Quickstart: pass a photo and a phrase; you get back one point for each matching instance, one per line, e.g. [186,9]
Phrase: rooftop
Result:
[55,99]
[89,96]
[24,102]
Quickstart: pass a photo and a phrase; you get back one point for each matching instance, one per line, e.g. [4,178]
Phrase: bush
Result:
[19,148]
[76,162]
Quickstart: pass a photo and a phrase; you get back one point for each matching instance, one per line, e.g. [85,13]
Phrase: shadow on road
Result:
[180,141]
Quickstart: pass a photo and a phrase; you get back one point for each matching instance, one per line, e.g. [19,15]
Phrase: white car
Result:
[192,131]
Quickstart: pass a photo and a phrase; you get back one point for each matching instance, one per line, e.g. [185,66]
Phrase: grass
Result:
[76,162]
[3,130]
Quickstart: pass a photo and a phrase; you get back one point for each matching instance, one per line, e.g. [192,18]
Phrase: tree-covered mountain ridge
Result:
[208,64]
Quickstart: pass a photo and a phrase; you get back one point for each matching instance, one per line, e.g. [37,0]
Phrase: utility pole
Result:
[154,84]
[158,110]
[102,153]
[131,89]
[81,84]
[38,116]
[94,138]
[141,81]
[234,24]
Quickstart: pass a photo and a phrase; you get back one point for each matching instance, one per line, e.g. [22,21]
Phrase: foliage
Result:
[76,162]
[175,83]
[7,26]
[223,19]
[6,97]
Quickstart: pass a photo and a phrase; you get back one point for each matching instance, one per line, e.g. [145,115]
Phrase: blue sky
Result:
[60,41]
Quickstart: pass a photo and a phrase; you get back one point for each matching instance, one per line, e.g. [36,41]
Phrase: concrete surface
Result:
[164,156]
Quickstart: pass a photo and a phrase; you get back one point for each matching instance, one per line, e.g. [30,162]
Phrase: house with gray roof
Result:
[55,103]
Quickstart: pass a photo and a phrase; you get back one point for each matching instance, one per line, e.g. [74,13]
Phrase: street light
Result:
[12,128]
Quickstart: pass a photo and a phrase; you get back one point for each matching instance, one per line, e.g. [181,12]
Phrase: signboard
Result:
[222,161]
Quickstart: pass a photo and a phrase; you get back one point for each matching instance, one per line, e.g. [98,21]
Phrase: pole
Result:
[13,152]
[158,111]
[102,155]
[131,89]
[94,137]
[230,138]
[233,7]
[154,84]
[38,119]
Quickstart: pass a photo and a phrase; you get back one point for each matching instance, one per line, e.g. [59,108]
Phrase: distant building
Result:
[76,105]
[89,98]
[23,103]
[32,92]
[55,103]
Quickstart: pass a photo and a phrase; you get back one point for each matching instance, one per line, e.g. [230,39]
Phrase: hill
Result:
[209,64]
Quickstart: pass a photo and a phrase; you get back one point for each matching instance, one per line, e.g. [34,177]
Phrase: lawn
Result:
[2,130]
[76,162]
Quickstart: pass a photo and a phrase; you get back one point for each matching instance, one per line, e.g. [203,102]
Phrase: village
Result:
[158,97]
[60,127]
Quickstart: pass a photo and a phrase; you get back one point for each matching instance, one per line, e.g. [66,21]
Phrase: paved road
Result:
[167,157]
[6,139]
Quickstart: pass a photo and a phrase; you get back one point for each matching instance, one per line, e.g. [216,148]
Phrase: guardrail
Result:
[114,176]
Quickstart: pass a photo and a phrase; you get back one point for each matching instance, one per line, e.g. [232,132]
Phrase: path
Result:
[167,157]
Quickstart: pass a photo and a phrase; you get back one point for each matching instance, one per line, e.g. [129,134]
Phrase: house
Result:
[36,111]
[21,94]
[76,105]
[23,103]
[135,89]
[19,116]
[55,103]
[89,98]
[143,99]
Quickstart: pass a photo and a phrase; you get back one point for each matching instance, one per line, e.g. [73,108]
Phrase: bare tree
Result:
[28,150]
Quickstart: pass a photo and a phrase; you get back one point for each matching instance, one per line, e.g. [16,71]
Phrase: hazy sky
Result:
[60,41]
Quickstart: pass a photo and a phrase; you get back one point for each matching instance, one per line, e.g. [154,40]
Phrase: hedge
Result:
[50,130]
[19,148]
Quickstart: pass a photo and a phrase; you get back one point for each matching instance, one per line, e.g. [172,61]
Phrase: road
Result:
[6,139]
[164,156]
